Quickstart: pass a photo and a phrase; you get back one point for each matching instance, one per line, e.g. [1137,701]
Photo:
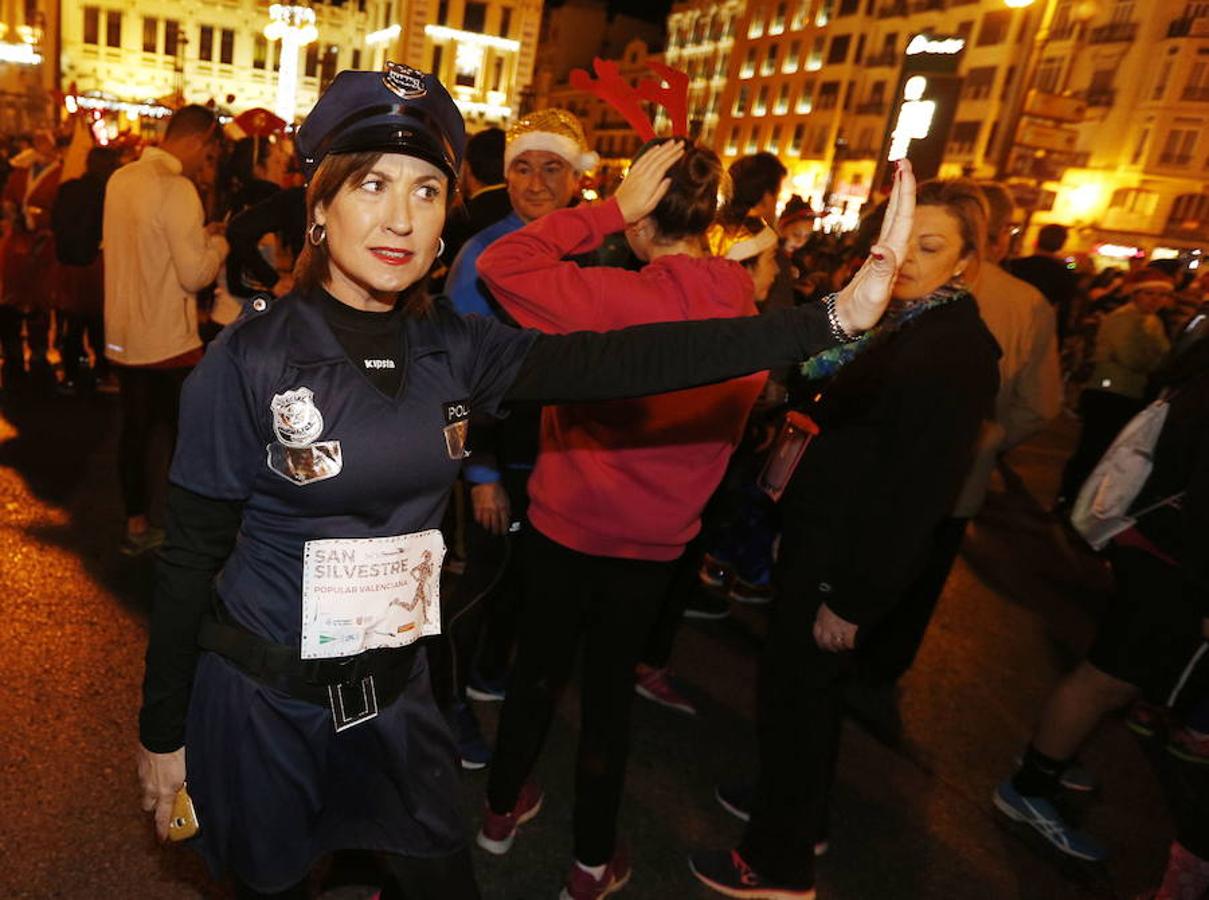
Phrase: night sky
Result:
[651,10]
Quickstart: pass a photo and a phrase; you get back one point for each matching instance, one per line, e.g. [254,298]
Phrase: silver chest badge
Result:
[297,455]
[296,420]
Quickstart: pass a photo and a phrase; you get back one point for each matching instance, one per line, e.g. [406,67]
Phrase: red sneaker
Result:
[580,884]
[1188,745]
[499,831]
[655,685]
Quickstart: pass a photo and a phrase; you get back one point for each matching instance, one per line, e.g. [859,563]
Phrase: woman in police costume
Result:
[318,440]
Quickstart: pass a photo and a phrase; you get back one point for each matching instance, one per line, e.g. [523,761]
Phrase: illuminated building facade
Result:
[700,43]
[28,34]
[132,60]
[1112,140]
[821,83]
[1140,178]
[482,50]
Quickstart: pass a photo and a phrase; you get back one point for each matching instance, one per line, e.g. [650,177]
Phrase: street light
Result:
[295,27]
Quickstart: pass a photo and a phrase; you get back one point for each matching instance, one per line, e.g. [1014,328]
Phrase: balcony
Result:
[921,6]
[1196,94]
[872,108]
[1062,32]
[895,8]
[1178,28]
[1178,160]
[888,57]
[1116,33]
[861,153]
[1101,98]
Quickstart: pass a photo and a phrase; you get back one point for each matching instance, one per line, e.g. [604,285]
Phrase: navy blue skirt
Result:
[276,787]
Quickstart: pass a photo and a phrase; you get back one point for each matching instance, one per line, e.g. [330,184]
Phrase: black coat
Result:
[898,429]
[483,209]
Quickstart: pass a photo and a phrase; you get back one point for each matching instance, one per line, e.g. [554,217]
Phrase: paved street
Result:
[911,822]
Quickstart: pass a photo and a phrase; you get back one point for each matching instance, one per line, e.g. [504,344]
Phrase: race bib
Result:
[362,594]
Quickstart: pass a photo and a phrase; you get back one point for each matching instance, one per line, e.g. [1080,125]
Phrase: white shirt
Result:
[157,256]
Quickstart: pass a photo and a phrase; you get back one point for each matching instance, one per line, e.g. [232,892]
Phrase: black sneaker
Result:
[726,872]
[707,605]
[738,799]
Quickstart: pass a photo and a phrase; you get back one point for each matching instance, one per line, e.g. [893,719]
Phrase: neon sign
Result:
[921,43]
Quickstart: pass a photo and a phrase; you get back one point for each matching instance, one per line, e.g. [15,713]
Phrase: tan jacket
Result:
[1129,346]
[1030,384]
[157,256]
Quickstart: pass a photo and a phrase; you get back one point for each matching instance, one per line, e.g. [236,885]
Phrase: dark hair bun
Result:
[689,206]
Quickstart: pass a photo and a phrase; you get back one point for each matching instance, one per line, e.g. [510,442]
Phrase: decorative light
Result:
[486,109]
[149,109]
[1083,199]
[468,59]
[295,27]
[914,118]
[443,32]
[1017,4]
[1118,251]
[22,54]
[384,35]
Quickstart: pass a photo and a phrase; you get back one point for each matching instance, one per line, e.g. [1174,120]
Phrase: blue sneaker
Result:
[472,746]
[1074,777]
[1041,815]
[483,689]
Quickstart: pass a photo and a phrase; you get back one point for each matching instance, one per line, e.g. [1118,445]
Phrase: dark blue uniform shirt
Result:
[274,784]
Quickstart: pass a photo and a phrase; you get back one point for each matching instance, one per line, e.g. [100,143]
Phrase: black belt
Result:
[353,687]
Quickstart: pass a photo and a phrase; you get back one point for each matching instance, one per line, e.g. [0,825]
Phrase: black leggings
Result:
[610,604]
[417,878]
[150,397]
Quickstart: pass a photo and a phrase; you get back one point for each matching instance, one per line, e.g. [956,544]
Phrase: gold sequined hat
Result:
[555,131]
[742,241]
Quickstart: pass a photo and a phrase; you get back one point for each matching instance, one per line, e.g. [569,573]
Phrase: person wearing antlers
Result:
[619,487]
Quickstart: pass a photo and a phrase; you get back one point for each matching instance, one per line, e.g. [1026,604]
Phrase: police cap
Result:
[397,110]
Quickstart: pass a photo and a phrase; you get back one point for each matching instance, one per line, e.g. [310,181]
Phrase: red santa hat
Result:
[1147,279]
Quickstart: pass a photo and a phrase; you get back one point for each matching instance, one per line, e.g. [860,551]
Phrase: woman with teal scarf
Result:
[899,417]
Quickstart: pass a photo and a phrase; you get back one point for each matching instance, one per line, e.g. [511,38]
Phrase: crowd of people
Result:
[449,425]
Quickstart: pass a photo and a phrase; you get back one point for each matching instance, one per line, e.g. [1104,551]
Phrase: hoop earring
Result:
[440,247]
[316,234]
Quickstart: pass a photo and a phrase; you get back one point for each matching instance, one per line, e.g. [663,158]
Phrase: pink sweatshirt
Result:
[624,478]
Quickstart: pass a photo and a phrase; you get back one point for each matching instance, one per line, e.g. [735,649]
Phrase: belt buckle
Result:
[352,702]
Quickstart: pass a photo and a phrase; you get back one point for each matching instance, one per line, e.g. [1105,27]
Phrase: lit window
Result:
[782,106]
[770,61]
[761,105]
[755,28]
[749,64]
[790,65]
[805,98]
[795,143]
[777,25]
[732,142]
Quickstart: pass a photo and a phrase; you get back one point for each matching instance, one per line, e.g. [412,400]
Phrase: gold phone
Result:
[183,824]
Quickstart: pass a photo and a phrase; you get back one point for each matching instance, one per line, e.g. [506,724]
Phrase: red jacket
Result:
[626,478]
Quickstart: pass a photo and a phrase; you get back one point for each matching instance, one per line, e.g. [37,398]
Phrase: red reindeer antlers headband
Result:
[669,90]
